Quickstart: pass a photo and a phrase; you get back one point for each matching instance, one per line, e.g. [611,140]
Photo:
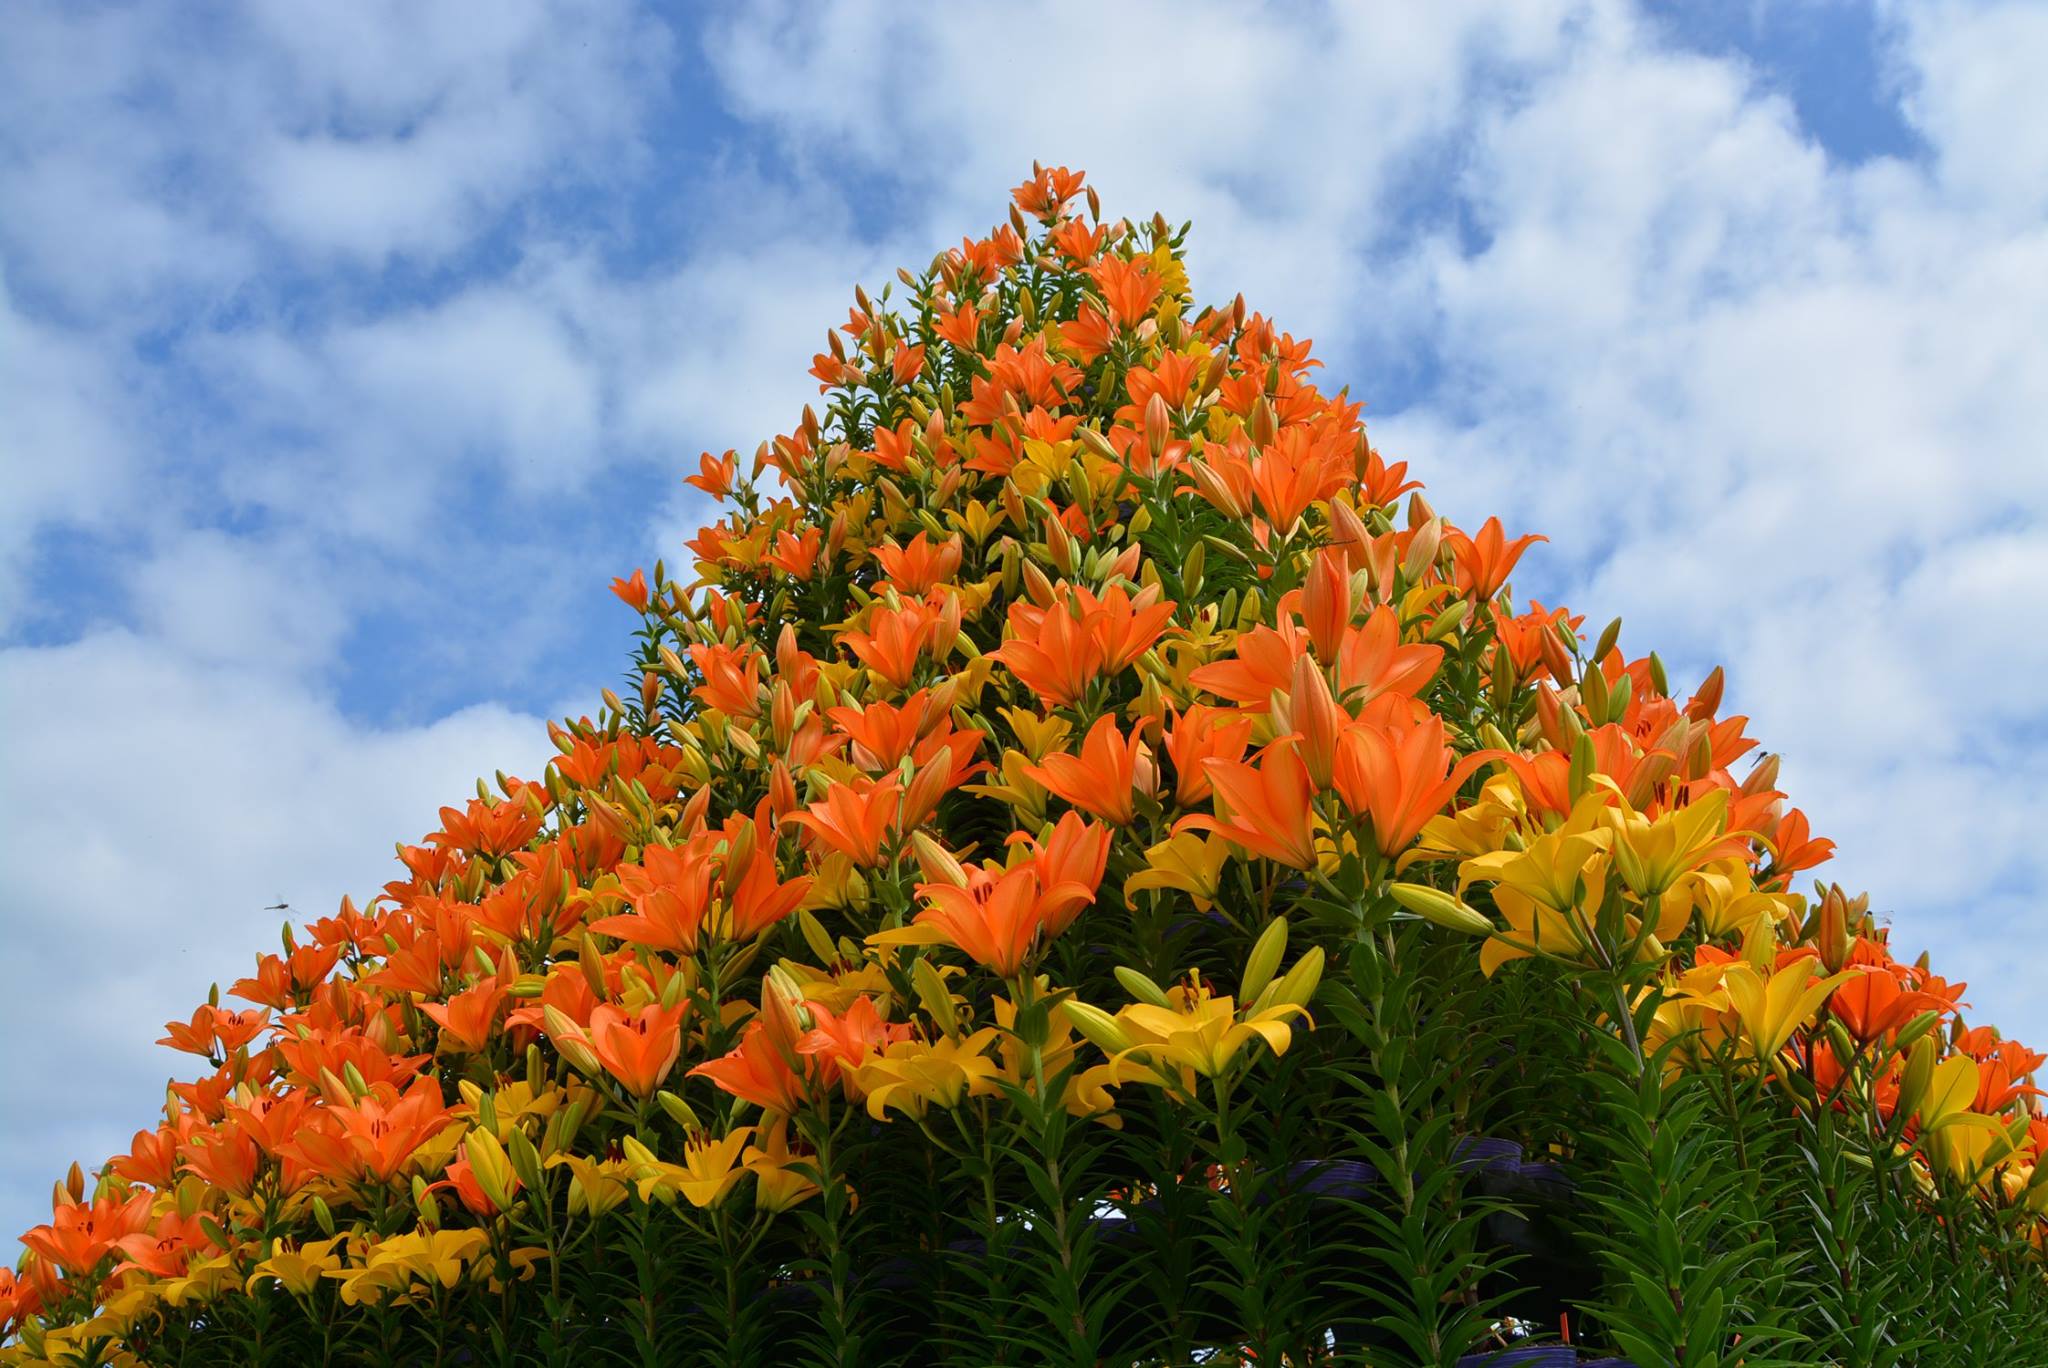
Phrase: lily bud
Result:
[488,1163]
[935,862]
[1141,987]
[1422,550]
[1098,1027]
[1326,603]
[1435,905]
[1313,713]
[679,1111]
[1264,959]
[1300,984]
[936,998]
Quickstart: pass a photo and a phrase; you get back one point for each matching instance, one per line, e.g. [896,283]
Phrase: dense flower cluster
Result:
[1044,728]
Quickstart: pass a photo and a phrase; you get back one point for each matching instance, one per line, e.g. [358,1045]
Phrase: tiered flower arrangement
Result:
[1091,868]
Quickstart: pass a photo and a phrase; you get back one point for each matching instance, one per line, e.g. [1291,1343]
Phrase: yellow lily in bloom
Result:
[910,1075]
[1728,902]
[1652,856]
[779,1181]
[594,1187]
[1493,823]
[202,1281]
[1771,1006]
[394,1264]
[1549,870]
[1193,864]
[977,520]
[705,1176]
[1018,789]
[1039,736]
[1973,1145]
[298,1270]
[1537,929]
[1198,1033]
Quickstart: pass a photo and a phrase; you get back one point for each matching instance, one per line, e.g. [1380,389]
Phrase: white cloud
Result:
[155,804]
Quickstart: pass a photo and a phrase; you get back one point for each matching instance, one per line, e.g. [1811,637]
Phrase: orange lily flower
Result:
[374,1135]
[844,1043]
[760,1071]
[1399,776]
[469,1019]
[1203,733]
[732,679]
[1264,807]
[895,640]
[633,591]
[1128,287]
[1872,1004]
[856,819]
[916,569]
[637,1048]
[1105,777]
[995,919]
[79,1235]
[670,891]
[1483,563]
[1074,856]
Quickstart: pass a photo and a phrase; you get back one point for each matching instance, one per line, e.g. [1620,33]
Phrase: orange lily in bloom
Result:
[79,1235]
[714,474]
[1058,651]
[209,1024]
[1075,855]
[280,981]
[1400,776]
[468,1020]
[493,830]
[1872,1004]
[1794,846]
[732,679]
[1203,733]
[759,898]
[1301,467]
[883,733]
[164,1251]
[844,1043]
[895,640]
[856,819]
[374,1135]
[1104,779]
[1264,807]
[760,1071]
[637,1048]
[224,1157]
[1483,563]
[670,891]
[995,920]
[1128,287]
[633,591]
[152,1156]
[916,569]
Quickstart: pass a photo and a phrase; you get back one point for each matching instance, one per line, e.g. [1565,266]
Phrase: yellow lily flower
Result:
[394,1264]
[1493,823]
[779,1183]
[1193,864]
[1771,1006]
[1727,900]
[910,1075]
[1550,869]
[298,1270]
[595,1187]
[705,1176]
[1199,1033]
[1652,856]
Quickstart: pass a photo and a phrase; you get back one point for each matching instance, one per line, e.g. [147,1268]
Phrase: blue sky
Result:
[347,350]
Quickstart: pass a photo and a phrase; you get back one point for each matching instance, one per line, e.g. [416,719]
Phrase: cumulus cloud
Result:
[161,792]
